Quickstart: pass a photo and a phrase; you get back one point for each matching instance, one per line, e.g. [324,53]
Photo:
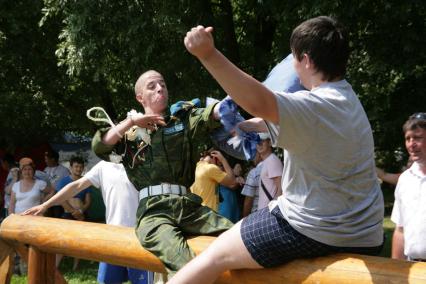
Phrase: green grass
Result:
[86,272]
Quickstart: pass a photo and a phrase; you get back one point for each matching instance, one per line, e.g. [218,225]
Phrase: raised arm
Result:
[247,92]
[255,124]
[229,179]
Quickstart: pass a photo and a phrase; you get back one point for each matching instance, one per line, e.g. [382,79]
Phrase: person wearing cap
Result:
[270,174]
[28,191]
[409,210]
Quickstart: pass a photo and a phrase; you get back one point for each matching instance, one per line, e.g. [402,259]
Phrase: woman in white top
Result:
[28,191]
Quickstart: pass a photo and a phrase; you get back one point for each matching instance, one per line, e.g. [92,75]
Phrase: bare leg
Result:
[227,252]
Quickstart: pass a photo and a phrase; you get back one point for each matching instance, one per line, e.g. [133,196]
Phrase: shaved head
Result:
[142,78]
[151,92]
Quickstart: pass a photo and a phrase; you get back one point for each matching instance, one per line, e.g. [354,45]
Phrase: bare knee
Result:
[229,252]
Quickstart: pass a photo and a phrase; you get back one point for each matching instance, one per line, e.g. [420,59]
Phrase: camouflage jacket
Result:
[173,153]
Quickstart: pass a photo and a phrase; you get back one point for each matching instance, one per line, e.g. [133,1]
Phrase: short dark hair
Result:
[76,159]
[326,42]
[52,154]
[417,120]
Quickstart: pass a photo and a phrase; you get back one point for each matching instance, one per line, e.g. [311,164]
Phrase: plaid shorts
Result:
[271,240]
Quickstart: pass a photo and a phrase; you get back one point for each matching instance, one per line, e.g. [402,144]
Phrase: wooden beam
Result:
[22,250]
[119,245]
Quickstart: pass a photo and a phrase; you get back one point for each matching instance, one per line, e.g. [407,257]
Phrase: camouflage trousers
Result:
[164,222]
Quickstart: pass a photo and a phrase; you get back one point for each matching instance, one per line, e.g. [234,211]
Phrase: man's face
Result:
[415,142]
[77,169]
[154,92]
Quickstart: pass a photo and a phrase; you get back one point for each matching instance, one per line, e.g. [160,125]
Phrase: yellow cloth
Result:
[207,177]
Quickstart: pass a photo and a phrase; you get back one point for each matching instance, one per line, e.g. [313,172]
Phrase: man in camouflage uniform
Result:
[162,166]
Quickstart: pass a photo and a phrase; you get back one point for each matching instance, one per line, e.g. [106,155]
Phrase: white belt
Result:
[164,188]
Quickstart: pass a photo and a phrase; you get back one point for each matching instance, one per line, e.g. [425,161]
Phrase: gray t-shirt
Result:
[330,189]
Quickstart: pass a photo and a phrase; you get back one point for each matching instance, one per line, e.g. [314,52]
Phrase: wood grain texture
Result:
[119,245]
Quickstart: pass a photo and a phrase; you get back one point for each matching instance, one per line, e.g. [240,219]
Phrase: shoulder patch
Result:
[174,129]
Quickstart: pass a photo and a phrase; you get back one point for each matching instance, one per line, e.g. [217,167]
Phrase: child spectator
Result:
[208,175]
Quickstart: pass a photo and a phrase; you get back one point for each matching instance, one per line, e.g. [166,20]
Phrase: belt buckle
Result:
[166,188]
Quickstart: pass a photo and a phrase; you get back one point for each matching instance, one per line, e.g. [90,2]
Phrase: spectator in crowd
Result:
[26,193]
[409,210]
[208,175]
[54,170]
[229,205]
[270,174]
[8,164]
[251,187]
[121,201]
[79,203]
[332,201]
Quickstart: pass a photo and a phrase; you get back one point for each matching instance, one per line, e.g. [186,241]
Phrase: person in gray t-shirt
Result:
[331,199]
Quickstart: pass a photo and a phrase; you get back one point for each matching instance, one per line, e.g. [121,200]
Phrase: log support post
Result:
[41,267]
[6,262]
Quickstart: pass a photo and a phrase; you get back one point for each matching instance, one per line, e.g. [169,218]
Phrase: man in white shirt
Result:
[121,201]
[409,212]
[52,174]
[54,170]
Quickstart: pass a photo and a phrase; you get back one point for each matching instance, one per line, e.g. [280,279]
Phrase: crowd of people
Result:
[323,197]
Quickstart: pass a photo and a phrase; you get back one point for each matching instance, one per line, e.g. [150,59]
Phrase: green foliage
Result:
[60,57]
